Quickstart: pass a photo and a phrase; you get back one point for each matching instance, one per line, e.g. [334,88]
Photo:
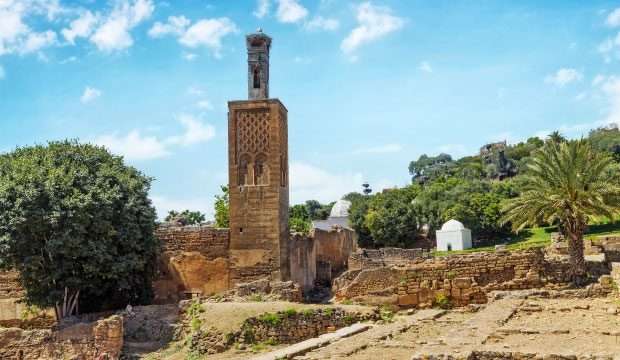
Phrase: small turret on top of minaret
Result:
[258,45]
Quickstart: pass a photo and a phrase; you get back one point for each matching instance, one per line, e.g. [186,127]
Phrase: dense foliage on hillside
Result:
[471,189]
[77,224]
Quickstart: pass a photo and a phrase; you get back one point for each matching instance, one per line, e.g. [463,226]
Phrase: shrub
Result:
[271,319]
[442,301]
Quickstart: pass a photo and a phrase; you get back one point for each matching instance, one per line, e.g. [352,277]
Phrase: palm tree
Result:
[556,137]
[566,184]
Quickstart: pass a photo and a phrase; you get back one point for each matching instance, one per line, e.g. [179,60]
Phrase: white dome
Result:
[452,225]
[340,209]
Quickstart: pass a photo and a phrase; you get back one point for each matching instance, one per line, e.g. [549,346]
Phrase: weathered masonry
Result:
[258,175]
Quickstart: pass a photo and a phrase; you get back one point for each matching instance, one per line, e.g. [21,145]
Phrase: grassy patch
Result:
[526,239]
[610,228]
[271,319]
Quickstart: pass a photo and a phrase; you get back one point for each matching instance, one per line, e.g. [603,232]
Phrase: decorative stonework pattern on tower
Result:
[252,132]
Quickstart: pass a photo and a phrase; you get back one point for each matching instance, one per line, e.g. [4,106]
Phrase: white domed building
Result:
[338,217]
[453,236]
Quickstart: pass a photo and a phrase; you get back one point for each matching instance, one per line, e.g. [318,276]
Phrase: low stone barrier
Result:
[456,280]
[283,327]
[102,339]
[289,327]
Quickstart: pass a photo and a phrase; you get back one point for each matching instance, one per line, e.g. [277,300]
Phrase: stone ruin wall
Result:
[198,260]
[462,279]
[10,294]
[320,256]
[195,260]
[376,258]
[303,255]
[334,247]
[102,339]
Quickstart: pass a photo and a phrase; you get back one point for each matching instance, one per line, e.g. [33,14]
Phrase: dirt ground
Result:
[578,328]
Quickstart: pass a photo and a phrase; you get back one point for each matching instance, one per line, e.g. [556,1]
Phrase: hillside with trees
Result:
[471,189]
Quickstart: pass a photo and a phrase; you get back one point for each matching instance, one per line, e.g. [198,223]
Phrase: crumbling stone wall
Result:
[79,341]
[10,293]
[375,258]
[303,260]
[207,240]
[195,260]
[334,247]
[289,327]
[462,279]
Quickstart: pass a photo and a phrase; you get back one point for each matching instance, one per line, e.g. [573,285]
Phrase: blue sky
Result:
[369,85]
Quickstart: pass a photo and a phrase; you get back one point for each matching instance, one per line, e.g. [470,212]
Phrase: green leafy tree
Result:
[476,203]
[299,219]
[428,168]
[222,208]
[391,218]
[566,184]
[185,217]
[357,217]
[77,224]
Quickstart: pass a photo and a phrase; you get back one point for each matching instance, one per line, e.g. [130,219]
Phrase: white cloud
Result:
[209,33]
[383,149]
[564,76]
[204,32]
[598,79]
[68,60]
[613,19]
[163,204]
[195,91]
[2,73]
[610,48]
[425,66]
[12,27]
[321,23]
[189,56]
[15,35]
[195,131]
[311,182]
[204,104]
[374,22]
[134,146]
[114,33]
[262,8]
[90,94]
[37,41]
[290,11]
[81,27]
[582,95]
[176,25]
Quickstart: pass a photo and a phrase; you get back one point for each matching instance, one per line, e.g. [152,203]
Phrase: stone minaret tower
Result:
[258,175]
[258,45]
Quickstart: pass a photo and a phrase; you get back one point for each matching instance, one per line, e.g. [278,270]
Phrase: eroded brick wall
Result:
[10,294]
[335,247]
[195,259]
[79,341]
[461,278]
[375,258]
[303,260]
